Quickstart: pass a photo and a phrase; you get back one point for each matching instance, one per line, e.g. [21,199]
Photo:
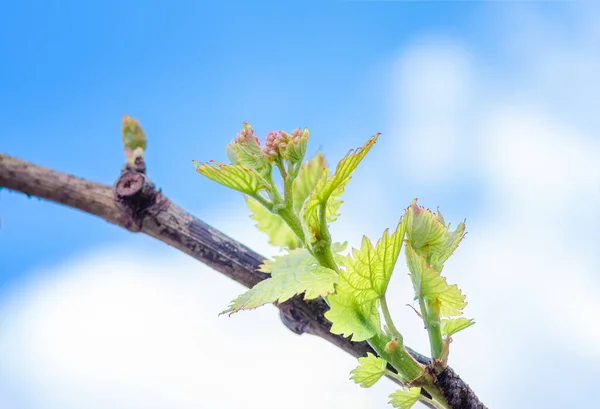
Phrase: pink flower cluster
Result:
[277,142]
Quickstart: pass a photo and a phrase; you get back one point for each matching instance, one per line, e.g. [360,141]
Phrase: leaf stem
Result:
[283,206]
[322,248]
[292,220]
[268,205]
[431,318]
[388,320]
[281,168]
[395,376]
[323,228]
[288,191]
[275,196]
[408,368]
[438,399]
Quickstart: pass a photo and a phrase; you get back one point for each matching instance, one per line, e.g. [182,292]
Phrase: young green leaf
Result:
[405,398]
[352,316]
[369,370]
[354,306]
[245,150]
[294,273]
[423,228]
[331,187]
[439,254]
[235,177]
[344,168]
[430,237]
[337,249]
[280,234]
[388,250]
[295,150]
[309,212]
[334,203]
[429,284]
[452,326]
[250,156]
[307,178]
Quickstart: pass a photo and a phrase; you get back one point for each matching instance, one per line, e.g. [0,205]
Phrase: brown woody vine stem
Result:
[135,204]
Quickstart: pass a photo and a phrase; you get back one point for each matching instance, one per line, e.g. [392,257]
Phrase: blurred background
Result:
[487,109]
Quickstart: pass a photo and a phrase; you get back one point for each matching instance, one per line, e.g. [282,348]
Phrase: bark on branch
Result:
[134,203]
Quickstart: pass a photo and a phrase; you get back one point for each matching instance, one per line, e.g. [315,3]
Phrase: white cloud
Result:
[553,57]
[132,329]
[529,263]
[546,178]
[432,83]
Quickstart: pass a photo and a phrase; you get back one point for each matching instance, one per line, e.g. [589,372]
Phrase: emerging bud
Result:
[296,149]
[391,346]
[245,150]
[245,140]
[134,138]
[246,136]
[291,147]
[272,143]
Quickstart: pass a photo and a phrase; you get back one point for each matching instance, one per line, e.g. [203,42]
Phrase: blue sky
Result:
[191,72]
[487,109]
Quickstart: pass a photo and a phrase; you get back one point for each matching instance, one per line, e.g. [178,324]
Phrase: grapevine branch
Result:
[134,203]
